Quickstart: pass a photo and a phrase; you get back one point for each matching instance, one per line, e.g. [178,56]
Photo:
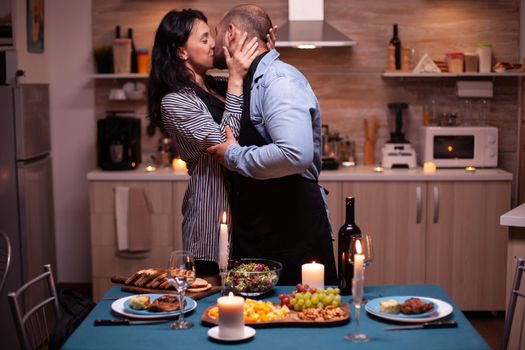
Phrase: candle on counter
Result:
[378,169]
[150,168]
[231,316]
[223,243]
[429,168]
[313,275]
[470,169]
[358,281]
[178,165]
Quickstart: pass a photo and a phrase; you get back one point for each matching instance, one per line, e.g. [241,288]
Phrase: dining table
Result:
[159,336]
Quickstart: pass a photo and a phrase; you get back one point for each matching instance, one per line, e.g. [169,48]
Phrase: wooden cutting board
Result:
[291,320]
[142,290]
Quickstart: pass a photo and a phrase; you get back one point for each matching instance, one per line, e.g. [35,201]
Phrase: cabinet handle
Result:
[418,205]
[436,204]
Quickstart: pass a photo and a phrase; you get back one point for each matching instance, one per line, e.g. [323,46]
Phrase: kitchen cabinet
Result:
[442,232]
[105,260]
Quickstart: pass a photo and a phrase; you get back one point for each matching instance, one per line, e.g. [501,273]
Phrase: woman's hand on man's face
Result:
[271,38]
[243,54]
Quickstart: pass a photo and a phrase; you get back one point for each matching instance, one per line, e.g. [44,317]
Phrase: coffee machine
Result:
[398,152]
[118,142]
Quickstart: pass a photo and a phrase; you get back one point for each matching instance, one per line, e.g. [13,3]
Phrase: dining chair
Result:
[5,258]
[35,321]
[517,291]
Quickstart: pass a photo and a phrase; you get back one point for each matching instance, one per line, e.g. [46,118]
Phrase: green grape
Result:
[319,291]
[335,303]
[293,301]
[330,298]
[297,307]
[300,302]
[299,296]
[329,290]
[337,291]
[307,295]
[308,303]
[337,298]
[315,299]
[320,305]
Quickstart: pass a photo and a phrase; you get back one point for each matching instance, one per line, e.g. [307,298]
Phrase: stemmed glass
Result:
[181,274]
[367,250]
[358,283]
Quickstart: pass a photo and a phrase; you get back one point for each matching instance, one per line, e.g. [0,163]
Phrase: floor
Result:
[489,325]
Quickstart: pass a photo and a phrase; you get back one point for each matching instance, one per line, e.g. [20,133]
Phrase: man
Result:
[278,209]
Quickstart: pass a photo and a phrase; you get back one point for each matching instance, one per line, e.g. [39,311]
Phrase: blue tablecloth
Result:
[159,336]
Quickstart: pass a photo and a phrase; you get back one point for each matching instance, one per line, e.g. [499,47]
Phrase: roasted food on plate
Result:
[165,303]
[415,306]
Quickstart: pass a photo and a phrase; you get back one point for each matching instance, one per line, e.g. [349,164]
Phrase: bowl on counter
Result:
[252,277]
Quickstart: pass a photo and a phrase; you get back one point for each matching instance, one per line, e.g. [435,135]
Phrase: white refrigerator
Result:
[26,196]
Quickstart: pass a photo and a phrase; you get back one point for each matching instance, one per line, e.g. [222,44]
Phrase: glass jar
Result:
[484,51]
[455,62]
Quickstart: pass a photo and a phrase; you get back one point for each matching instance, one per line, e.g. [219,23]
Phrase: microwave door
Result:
[454,147]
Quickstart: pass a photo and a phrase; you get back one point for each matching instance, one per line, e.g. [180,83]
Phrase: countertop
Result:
[357,173]
[515,217]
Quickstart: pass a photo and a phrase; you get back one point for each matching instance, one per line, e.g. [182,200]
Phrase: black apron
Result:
[282,219]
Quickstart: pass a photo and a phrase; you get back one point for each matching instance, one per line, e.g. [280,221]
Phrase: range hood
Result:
[306,28]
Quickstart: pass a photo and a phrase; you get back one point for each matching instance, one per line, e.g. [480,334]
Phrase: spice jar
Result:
[455,62]
[143,61]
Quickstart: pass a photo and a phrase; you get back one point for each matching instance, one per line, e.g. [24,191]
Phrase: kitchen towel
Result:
[133,220]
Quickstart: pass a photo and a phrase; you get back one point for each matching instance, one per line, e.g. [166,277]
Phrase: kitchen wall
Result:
[348,81]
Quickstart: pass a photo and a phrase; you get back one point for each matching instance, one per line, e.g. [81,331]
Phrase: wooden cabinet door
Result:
[394,214]
[466,246]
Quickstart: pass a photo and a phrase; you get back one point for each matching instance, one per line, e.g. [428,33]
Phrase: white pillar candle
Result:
[231,316]
[429,168]
[223,243]
[178,165]
[359,277]
[313,275]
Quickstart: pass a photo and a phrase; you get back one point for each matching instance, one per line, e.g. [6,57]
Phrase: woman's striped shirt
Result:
[193,130]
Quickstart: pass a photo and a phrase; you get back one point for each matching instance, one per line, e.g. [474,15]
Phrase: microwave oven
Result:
[458,146]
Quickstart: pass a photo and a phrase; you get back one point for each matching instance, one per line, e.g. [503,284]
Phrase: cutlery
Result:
[439,324]
[125,322]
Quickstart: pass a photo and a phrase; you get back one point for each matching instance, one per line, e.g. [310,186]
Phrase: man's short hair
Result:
[249,18]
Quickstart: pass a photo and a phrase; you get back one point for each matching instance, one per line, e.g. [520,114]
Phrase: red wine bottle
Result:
[397,44]
[134,63]
[345,271]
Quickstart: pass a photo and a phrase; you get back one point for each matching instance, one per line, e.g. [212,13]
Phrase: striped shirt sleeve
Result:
[183,113]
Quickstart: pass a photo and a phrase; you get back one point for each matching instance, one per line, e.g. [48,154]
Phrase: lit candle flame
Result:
[230,295]
[358,248]
[224,217]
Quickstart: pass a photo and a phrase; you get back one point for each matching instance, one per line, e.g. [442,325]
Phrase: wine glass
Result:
[181,274]
[367,249]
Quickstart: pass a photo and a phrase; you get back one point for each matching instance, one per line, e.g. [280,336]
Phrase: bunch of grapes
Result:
[305,297]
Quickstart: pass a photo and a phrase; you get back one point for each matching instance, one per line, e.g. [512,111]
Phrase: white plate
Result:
[443,309]
[248,333]
[120,307]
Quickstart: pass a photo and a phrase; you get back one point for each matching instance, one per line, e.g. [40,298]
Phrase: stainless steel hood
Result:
[306,28]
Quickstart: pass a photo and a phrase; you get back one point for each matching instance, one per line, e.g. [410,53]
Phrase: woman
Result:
[194,109]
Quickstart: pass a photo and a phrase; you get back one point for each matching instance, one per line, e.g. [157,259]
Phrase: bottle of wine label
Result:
[345,271]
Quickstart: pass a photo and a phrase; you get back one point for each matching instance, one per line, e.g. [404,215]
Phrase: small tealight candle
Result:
[223,243]
[378,169]
[231,316]
[150,168]
[429,168]
[313,275]
[178,165]
[470,169]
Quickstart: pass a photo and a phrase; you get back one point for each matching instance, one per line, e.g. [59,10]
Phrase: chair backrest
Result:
[5,258]
[35,322]
[512,319]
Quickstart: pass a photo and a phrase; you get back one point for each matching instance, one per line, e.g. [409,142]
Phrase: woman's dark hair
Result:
[168,72]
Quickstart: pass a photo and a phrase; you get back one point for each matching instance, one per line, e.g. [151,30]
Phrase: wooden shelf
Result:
[120,76]
[450,75]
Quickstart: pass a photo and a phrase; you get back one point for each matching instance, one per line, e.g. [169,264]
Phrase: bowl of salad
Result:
[253,277]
